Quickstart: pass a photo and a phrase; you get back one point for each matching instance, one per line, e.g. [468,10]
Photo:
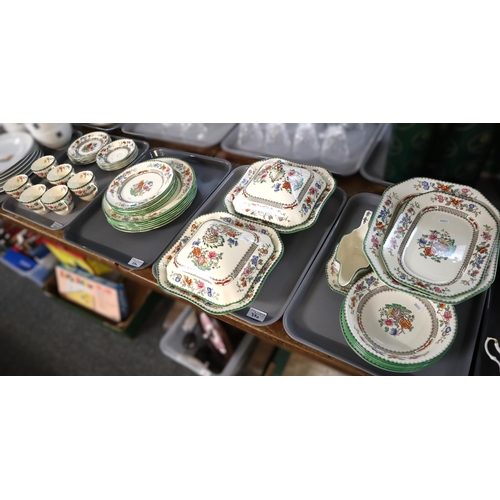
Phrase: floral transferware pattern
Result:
[229,259]
[384,217]
[433,337]
[185,191]
[85,148]
[206,299]
[315,210]
[437,245]
[148,181]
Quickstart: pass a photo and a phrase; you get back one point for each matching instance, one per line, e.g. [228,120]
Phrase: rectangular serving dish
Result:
[312,316]
[53,221]
[140,250]
[216,133]
[300,250]
[230,145]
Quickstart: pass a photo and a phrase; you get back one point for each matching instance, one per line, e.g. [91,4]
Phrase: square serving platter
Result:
[299,251]
[140,250]
[313,314]
[53,221]
[230,145]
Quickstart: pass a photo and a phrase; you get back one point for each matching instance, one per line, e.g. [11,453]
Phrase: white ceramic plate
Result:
[117,153]
[440,241]
[14,147]
[384,218]
[396,326]
[84,149]
[140,185]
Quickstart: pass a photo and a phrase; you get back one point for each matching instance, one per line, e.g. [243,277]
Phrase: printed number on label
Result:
[135,262]
[256,314]
[56,225]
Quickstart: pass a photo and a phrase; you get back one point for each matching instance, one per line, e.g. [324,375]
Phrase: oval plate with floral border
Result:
[384,218]
[313,208]
[196,291]
[435,243]
[396,326]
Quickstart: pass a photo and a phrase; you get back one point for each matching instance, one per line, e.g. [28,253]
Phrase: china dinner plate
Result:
[26,162]
[140,185]
[384,218]
[315,210]
[14,146]
[439,246]
[396,326]
[203,295]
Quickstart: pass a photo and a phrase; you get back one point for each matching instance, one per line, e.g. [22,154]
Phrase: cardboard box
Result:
[104,297]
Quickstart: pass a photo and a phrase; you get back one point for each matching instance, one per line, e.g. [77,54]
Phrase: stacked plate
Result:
[18,150]
[284,195]
[220,262]
[117,154]
[84,150]
[434,240]
[394,330]
[149,195]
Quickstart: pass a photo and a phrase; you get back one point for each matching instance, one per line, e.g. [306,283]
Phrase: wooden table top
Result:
[274,333]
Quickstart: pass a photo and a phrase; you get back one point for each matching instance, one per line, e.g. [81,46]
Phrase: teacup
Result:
[84,185]
[59,200]
[32,198]
[60,174]
[16,185]
[42,166]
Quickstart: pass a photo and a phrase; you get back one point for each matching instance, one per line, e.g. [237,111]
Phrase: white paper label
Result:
[135,262]
[256,314]
[417,307]
[444,221]
[56,225]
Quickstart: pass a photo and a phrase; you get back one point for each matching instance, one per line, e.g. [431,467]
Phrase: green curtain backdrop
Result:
[453,152]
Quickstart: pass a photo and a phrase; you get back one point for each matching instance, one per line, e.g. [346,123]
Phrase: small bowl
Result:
[58,199]
[16,185]
[32,198]
[42,166]
[84,185]
[60,174]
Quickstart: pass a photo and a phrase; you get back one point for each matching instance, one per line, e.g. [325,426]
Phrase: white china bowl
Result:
[51,135]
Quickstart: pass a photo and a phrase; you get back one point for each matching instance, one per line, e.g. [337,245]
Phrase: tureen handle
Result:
[497,347]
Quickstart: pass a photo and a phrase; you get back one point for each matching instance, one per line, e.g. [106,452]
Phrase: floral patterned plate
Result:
[117,154]
[313,209]
[436,243]
[384,218]
[207,293]
[84,150]
[396,326]
[140,185]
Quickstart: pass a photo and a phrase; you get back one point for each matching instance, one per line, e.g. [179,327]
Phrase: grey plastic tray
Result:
[92,231]
[113,126]
[171,346]
[300,250]
[215,133]
[374,169]
[51,220]
[312,317]
[230,145]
